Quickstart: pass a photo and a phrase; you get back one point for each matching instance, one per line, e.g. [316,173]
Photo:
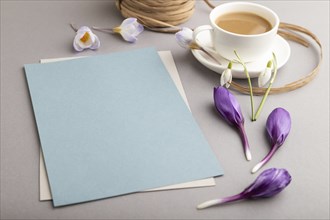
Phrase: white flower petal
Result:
[130,29]
[128,21]
[78,42]
[96,43]
[77,47]
[226,78]
[91,41]
[184,37]
[138,28]
[128,37]
[264,77]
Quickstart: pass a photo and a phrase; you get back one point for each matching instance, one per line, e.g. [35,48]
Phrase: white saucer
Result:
[281,49]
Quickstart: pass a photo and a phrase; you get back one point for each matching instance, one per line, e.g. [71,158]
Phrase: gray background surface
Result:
[31,30]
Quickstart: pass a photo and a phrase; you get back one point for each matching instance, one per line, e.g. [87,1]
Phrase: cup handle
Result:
[200,29]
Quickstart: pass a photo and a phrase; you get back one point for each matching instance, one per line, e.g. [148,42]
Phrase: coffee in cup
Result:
[245,23]
[247,28]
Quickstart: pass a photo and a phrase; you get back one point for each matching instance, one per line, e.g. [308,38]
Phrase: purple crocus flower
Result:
[269,183]
[278,126]
[230,110]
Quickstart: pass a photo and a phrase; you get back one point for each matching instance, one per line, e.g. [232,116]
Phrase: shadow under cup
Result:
[249,47]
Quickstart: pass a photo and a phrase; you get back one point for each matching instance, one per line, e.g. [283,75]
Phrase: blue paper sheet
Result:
[114,124]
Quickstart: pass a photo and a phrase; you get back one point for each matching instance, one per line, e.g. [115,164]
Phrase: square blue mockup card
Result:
[114,124]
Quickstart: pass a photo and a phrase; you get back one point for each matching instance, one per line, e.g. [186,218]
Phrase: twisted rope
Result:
[158,15]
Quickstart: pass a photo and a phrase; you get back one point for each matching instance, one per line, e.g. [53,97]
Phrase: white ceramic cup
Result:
[249,47]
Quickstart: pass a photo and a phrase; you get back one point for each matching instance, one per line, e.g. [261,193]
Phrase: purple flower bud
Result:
[269,183]
[230,110]
[278,126]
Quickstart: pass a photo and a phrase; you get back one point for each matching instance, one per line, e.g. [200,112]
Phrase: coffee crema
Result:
[245,23]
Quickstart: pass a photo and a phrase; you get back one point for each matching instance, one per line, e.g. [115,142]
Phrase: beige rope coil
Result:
[157,13]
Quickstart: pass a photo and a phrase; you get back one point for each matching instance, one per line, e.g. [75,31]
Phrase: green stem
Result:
[249,81]
[268,89]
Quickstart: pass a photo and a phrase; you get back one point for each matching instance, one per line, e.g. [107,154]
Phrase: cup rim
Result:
[274,27]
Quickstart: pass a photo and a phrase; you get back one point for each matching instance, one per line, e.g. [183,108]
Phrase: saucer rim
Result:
[237,73]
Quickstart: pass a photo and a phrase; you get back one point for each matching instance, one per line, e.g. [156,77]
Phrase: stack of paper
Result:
[114,124]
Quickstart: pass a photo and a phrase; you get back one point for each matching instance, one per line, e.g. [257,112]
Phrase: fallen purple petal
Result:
[268,184]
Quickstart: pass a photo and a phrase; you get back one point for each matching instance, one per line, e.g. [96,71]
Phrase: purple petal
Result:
[245,142]
[230,110]
[228,106]
[269,183]
[266,159]
[278,126]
